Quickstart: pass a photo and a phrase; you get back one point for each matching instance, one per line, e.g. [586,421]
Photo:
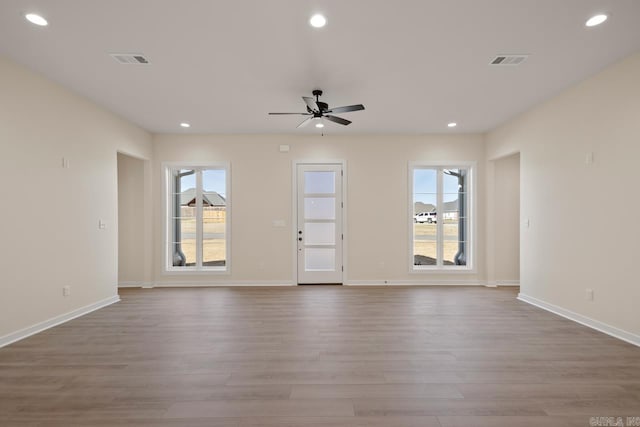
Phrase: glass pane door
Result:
[319,238]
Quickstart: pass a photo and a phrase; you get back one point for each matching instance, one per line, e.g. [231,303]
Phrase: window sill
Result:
[441,270]
[187,272]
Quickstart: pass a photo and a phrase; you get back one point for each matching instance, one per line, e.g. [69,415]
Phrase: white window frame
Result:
[168,219]
[471,242]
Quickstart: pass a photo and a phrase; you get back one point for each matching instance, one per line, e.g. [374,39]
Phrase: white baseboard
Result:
[623,335]
[495,283]
[135,284]
[55,321]
[414,283]
[227,283]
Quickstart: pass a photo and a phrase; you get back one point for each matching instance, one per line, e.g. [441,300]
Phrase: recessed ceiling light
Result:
[185,125]
[319,125]
[596,20]
[36,19]
[318,21]
[452,124]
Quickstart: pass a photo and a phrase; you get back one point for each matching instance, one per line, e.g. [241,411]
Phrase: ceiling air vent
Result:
[129,58]
[509,59]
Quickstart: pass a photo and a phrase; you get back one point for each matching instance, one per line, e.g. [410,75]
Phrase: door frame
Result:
[294,212]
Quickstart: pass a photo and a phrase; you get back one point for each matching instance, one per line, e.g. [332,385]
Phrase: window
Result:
[441,217]
[197,219]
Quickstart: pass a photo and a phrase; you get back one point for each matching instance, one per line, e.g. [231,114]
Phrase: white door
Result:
[319,233]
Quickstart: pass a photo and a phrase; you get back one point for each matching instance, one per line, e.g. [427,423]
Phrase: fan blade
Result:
[339,120]
[297,114]
[305,122]
[311,103]
[346,109]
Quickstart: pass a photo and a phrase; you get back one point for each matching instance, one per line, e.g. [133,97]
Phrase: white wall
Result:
[506,214]
[377,204]
[584,229]
[49,216]
[131,221]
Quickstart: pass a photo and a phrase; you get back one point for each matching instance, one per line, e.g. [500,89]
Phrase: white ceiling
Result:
[222,65]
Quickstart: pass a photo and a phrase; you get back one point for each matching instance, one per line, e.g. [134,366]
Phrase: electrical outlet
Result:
[66,291]
[102,224]
[588,160]
[589,294]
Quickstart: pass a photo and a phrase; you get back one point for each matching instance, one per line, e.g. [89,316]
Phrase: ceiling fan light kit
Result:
[318,110]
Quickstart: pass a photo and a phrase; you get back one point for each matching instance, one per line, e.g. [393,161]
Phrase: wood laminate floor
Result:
[319,356]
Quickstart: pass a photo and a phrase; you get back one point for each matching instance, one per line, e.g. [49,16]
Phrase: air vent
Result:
[129,58]
[509,59]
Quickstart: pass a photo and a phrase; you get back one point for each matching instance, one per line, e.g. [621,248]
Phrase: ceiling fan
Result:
[319,110]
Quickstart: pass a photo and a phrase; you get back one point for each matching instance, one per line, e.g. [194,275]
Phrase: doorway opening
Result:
[131,221]
[507,220]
